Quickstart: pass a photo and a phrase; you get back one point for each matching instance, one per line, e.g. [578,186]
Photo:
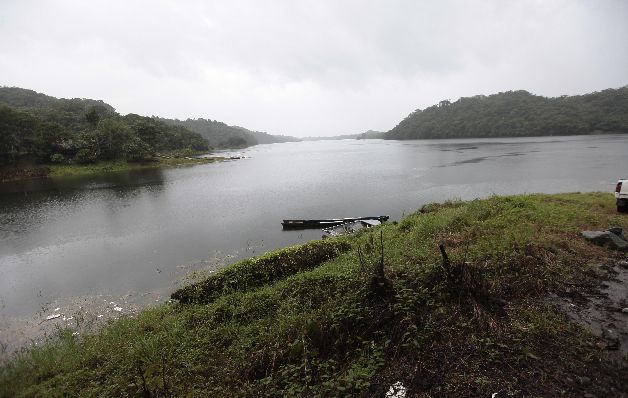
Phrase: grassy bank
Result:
[352,322]
[104,167]
[65,170]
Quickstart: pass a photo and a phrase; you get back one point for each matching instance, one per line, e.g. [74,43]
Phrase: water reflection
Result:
[30,206]
[60,185]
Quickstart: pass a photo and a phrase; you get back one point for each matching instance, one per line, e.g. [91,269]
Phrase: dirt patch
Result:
[600,305]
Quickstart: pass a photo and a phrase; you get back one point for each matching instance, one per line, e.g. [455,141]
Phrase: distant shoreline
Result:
[589,134]
[11,173]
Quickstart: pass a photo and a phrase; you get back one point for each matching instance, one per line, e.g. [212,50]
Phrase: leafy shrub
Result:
[57,158]
[85,156]
[136,150]
[256,272]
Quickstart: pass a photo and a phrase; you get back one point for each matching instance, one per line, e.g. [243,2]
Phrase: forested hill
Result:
[265,138]
[38,128]
[518,114]
[221,135]
[70,113]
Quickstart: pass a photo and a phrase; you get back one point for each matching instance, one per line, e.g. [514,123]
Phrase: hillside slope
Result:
[70,113]
[221,135]
[517,114]
[39,129]
[351,317]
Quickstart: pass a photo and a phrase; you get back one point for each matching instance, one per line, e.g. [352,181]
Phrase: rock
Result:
[617,231]
[611,339]
[623,264]
[594,236]
[606,239]
[613,345]
[618,243]
[584,380]
[624,310]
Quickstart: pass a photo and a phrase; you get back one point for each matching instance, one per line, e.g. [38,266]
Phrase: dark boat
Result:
[326,223]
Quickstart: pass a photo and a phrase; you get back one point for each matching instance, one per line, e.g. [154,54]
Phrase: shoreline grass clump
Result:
[117,166]
[10,173]
[255,272]
[388,306]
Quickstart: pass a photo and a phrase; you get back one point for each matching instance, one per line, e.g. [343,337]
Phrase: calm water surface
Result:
[142,231]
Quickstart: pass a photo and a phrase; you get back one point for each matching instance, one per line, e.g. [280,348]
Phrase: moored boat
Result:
[349,227]
[326,223]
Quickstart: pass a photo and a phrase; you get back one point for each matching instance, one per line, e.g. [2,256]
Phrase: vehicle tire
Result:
[622,208]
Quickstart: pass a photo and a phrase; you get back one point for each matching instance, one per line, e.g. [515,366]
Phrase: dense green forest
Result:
[38,128]
[221,135]
[518,114]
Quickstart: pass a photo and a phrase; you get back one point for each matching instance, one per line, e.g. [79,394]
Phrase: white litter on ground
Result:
[397,390]
[119,309]
[99,316]
[53,316]
[75,334]
[57,309]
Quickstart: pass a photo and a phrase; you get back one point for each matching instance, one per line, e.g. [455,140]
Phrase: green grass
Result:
[10,173]
[341,327]
[63,170]
[264,270]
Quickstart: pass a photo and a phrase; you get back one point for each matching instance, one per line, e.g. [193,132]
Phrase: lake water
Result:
[140,232]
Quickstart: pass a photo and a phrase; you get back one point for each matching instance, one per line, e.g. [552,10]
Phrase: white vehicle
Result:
[621,194]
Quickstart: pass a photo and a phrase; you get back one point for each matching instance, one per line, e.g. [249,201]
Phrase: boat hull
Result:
[327,223]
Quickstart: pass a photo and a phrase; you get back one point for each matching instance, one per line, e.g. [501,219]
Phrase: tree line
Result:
[518,114]
[221,135]
[38,128]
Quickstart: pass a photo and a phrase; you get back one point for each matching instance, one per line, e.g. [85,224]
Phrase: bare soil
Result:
[600,305]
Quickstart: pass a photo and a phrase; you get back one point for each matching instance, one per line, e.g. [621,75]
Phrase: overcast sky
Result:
[308,67]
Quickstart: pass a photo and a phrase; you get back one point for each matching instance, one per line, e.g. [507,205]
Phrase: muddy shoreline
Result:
[599,303]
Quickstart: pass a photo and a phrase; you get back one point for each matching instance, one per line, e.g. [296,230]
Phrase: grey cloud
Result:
[309,67]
